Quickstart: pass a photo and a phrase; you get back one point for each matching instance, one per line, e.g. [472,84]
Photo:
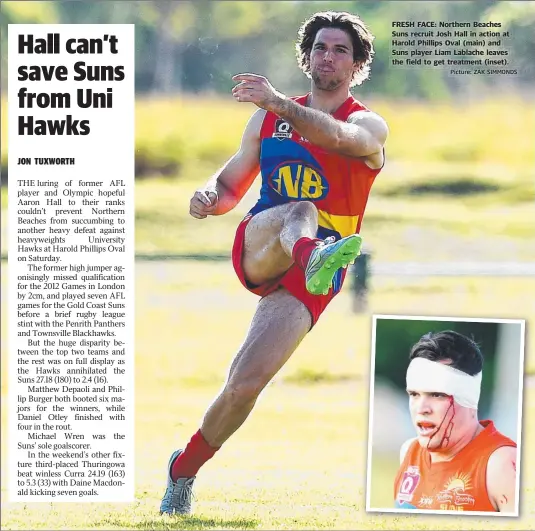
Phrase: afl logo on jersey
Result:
[296,180]
[282,129]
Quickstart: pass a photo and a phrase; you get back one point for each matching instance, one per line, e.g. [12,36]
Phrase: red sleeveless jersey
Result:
[456,485]
[293,169]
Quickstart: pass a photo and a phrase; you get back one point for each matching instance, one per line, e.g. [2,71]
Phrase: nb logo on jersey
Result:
[295,180]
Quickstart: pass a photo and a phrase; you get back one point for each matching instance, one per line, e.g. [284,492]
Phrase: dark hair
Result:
[360,37]
[464,353]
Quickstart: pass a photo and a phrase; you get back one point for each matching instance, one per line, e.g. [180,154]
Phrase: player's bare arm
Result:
[501,479]
[363,135]
[227,186]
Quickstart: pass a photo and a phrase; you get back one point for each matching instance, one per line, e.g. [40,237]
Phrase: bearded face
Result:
[331,59]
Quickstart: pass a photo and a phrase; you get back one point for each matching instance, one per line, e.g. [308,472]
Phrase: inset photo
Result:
[445,415]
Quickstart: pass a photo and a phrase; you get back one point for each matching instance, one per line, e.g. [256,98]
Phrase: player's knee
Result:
[242,392]
[304,209]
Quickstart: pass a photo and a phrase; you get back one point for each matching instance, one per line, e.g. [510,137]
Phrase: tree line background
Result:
[196,46]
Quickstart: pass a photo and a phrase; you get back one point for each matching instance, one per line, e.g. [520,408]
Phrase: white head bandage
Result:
[434,377]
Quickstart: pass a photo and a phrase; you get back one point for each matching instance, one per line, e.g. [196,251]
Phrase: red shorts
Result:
[293,280]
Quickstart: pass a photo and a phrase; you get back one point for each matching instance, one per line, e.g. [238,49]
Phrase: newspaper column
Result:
[71,262]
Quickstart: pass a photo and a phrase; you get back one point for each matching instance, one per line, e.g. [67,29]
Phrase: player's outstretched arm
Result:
[230,183]
[363,135]
[501,479]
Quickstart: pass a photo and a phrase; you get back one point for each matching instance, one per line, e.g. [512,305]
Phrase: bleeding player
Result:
[456,462]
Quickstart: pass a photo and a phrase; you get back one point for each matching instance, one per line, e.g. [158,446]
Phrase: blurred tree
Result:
[196,46]
[519,19]
[29,13]
[165,45]
[23,13]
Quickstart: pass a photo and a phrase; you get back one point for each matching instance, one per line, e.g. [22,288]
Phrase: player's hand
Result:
[203,204]
[258,90]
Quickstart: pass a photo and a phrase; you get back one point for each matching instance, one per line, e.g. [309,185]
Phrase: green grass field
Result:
[300,460]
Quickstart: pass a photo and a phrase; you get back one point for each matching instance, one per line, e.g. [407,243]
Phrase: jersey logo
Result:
[425,501]
[409,482]
[455,491]
[282,129]
[296,180]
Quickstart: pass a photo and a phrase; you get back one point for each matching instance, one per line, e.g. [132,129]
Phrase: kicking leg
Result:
[280,236]
[271,236]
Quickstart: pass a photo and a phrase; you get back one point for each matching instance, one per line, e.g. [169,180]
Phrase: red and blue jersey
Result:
[293,169]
